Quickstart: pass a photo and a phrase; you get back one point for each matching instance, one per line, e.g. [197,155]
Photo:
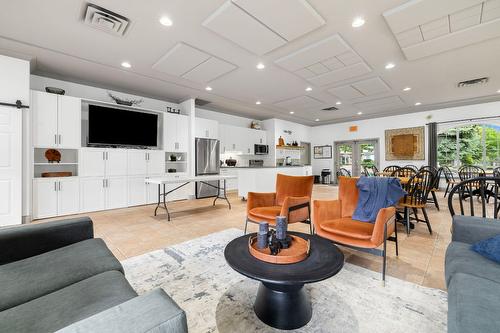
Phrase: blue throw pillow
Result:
[489,248]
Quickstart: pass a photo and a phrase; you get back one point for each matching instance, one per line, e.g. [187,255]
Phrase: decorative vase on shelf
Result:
[173,158]
[281,141]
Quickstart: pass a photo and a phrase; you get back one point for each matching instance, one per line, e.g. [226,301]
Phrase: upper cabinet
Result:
[206,128]
[56,120]
[175,132]
[240,139]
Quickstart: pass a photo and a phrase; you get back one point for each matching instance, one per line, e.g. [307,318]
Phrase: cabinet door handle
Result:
[60,139]
[207,134]
[107,156]
[55,186]
[107,182]
[60,187]
[55,139]
[103,156]
[104,183]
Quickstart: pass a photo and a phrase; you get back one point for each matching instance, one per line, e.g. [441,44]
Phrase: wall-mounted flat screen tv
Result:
[118,127]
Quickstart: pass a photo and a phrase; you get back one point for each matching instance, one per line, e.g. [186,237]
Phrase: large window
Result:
[477,144]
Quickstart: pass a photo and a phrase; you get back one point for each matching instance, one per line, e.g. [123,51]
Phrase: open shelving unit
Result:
[180,163]
[68,163]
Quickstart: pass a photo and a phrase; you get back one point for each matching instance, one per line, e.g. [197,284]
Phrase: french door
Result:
[353,156]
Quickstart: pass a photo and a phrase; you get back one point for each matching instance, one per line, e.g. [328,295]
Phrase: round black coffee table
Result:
[281,300]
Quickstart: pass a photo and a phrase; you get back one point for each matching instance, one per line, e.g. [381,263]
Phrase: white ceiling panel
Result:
[341,74]
[333,63]
[180,59]
[491,10]
[385,103]
[301,102]
[209,70]
[349,58]
[314,53]
[278,15]
[318,68]
[372,86]
[304,73]
[410,37]
[465,18]
[346,92]
[231,22]
[435,28]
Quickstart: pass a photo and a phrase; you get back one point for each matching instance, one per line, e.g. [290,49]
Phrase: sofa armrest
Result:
[385,218]
[255,200]
[297,209]
[471,229]
[21,242]
[152,312]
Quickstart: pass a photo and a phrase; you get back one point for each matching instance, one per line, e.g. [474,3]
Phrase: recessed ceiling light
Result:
[316,119]
[407,89]
[360,113]
[390,65]
[208,88]
[126,64]
[258,102]
[166,21]
[309,89]
[418,103]
[358,22]
[260,66]
[338,102]
[498,91]
[291,112]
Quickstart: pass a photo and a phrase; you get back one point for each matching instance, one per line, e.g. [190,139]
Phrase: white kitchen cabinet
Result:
[97,162]
[68,196]
[137,162]
[55,196]
[115,192]
[92,194]
[231,184]
[56,120]
[206,128]
[137,194]
[240,139]
[175,132]
[155,162]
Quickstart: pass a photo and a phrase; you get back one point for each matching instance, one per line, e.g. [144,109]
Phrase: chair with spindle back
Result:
[481,187]
[404,172]
[496,172]
[343,172]
[414,167]
[417,189]
[389,170]
[468,172]
[435,185]
[370,171]
[450,179]
[428,167]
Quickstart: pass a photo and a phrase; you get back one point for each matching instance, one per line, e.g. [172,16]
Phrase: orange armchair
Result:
[333,220]
[292,199]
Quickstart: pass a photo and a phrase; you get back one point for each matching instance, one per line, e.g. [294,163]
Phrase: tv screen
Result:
[110,126]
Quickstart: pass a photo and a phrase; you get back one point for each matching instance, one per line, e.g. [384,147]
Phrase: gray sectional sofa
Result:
[473,281]
[56,276]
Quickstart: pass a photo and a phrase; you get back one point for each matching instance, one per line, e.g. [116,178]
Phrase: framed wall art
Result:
[405,144]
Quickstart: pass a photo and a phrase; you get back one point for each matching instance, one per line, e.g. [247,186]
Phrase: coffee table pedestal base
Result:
[284,307]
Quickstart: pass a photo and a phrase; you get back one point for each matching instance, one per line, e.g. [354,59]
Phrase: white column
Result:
[14,85]
[188,107]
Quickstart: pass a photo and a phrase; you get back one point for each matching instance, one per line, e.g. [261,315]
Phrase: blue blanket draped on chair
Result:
[376,193]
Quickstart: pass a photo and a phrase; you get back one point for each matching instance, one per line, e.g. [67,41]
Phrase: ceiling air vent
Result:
[331,108]
[201,102]
[473,82]
[105,20]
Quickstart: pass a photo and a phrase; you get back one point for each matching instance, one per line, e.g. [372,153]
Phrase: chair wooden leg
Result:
[436,203]
[415,213]
[427,220]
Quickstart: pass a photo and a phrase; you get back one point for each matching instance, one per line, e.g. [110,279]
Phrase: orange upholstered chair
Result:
[333,220]
[292,199]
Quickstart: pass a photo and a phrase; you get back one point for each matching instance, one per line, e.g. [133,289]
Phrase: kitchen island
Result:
[263,179]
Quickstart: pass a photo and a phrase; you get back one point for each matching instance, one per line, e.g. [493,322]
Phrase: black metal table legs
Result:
[284,307]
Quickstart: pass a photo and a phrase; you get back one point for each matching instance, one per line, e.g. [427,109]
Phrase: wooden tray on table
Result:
[298,251]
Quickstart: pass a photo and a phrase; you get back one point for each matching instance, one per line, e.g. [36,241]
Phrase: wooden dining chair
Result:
[412,166]
[342,172]
[406,172]
[391,169]
[435,186]
[417,189]
[370,171]
[450,179]
[470,171]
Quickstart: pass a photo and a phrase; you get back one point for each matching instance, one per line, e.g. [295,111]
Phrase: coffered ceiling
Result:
[302,44]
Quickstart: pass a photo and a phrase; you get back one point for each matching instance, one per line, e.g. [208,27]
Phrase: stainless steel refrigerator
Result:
[207,160]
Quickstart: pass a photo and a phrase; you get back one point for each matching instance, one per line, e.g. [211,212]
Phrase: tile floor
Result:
[133,231]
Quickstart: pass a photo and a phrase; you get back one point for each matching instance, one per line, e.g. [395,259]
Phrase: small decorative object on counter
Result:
[173,158]
[231,162]
[53,155]
[255,125]
[54,90]
[281,141]
[171,170]
[281,227]
[173,110]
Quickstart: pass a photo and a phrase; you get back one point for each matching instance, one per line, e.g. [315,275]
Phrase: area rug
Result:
[217,299]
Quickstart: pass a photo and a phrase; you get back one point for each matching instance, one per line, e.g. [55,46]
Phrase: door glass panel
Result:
[355,155]
[345,157]
[366,155]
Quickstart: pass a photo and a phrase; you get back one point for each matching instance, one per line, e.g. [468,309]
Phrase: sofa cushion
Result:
[348,227]
[267,214]
[488,248]
[473,304]
[461,259]
[63,307]
[152,312]
[40,275]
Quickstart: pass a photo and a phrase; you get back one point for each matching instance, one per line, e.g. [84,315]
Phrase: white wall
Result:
[375,128]
[223,118]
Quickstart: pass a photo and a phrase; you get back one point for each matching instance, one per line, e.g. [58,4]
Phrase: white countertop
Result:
[186,179]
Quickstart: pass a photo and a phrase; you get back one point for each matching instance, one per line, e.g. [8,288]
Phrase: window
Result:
[477,144]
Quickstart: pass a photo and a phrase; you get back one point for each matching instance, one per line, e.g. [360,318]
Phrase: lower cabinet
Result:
[140,193]
[55,196]
[231,184]
[103,193]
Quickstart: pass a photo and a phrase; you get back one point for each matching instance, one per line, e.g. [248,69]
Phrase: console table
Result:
[183,181]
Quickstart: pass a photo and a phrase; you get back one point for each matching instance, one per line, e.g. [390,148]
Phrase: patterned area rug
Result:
[217,299]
